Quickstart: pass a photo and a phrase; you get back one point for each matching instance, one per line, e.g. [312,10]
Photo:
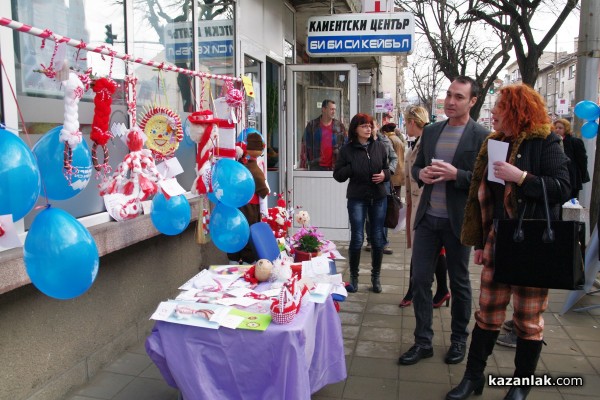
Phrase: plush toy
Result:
[278,218]
[262,270]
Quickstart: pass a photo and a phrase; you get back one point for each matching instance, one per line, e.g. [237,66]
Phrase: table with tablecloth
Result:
[289,361]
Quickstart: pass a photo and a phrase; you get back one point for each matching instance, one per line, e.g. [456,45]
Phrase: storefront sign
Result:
[215,39]
[360,34]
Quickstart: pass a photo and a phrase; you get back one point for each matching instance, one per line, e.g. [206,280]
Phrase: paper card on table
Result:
[240,301]
[239,292]
[209,281]
[252,321]
[199,296]
[231,321]
[171,187]
[339,289]
[320,292]
[229,269]
[9,239]
[186,313]
[497,151]
[271,292]
[170,168]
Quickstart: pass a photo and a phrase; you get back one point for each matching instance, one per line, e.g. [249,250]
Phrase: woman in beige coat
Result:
[399,146]
[416,117]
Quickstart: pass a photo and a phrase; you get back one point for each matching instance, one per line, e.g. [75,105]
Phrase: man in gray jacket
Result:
[444,165]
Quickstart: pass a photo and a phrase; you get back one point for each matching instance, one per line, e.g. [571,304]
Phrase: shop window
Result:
[41,98]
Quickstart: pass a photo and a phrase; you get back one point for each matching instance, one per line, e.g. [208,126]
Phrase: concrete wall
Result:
[48,346]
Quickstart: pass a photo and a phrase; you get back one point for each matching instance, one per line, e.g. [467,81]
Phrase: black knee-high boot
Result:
[526,359]
[376,258]
[482,344]
[353,262]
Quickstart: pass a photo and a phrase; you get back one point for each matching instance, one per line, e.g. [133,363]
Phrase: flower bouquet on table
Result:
[306,243]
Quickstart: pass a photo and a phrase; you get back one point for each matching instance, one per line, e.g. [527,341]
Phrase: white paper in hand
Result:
[497,151]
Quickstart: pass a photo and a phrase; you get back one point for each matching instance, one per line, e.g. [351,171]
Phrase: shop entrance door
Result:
[310,185]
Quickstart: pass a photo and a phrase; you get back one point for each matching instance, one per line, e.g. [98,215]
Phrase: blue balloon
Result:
[50,156]
[60,255]
[587,109]
[229,229]
[212,197]
[172,216]
[232,183]
[20,181]
[589,130]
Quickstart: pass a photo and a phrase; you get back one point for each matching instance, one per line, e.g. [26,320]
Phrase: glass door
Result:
[321,99]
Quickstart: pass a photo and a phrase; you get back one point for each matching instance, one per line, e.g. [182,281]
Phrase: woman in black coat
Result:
[365,162]
[575,150]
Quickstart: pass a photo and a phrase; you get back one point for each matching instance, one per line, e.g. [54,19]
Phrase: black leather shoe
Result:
[456,353]
[353,287]
[414,355]
[465,388]
[518,393]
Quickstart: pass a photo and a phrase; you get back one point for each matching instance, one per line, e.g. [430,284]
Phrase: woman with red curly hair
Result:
[534,154]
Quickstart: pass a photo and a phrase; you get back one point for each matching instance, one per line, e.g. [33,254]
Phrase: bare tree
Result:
[513,18]
[461,47]
[424,76]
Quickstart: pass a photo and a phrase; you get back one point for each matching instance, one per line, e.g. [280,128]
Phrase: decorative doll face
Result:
[162,138]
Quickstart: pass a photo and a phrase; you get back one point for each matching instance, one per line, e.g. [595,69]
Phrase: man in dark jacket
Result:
[444,164]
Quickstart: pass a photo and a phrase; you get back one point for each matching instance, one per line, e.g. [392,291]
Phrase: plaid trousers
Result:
[528,303]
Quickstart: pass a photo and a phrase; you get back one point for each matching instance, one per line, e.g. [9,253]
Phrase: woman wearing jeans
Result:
[365,162]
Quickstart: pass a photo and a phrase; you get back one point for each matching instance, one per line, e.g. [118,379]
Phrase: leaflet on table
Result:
[193,314]
[209,281]
[320,292]
[252,321]
[315,266]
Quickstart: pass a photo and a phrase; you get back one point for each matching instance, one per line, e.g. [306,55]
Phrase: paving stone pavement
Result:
[376,331]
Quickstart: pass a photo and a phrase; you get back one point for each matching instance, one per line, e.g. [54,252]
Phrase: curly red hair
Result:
[521,108]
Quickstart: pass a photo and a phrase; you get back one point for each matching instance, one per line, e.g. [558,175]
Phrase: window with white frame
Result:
[154,37]
[572,71]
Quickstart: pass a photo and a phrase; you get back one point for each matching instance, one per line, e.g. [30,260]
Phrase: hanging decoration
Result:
[203,131]
[162,127]
[70,134]
[235,100]
[100,135]
[136,176]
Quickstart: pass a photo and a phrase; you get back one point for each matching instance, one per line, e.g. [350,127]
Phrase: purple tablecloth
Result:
[284,362]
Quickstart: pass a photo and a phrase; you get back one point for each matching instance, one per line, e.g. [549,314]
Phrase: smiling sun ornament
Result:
[163,128]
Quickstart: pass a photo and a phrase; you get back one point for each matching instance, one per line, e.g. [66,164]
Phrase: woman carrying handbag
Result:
[534,154]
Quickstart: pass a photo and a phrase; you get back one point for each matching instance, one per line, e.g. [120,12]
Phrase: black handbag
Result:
[392,214]
[539,252]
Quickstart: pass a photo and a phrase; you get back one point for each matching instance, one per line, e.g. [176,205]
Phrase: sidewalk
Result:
[376,331]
